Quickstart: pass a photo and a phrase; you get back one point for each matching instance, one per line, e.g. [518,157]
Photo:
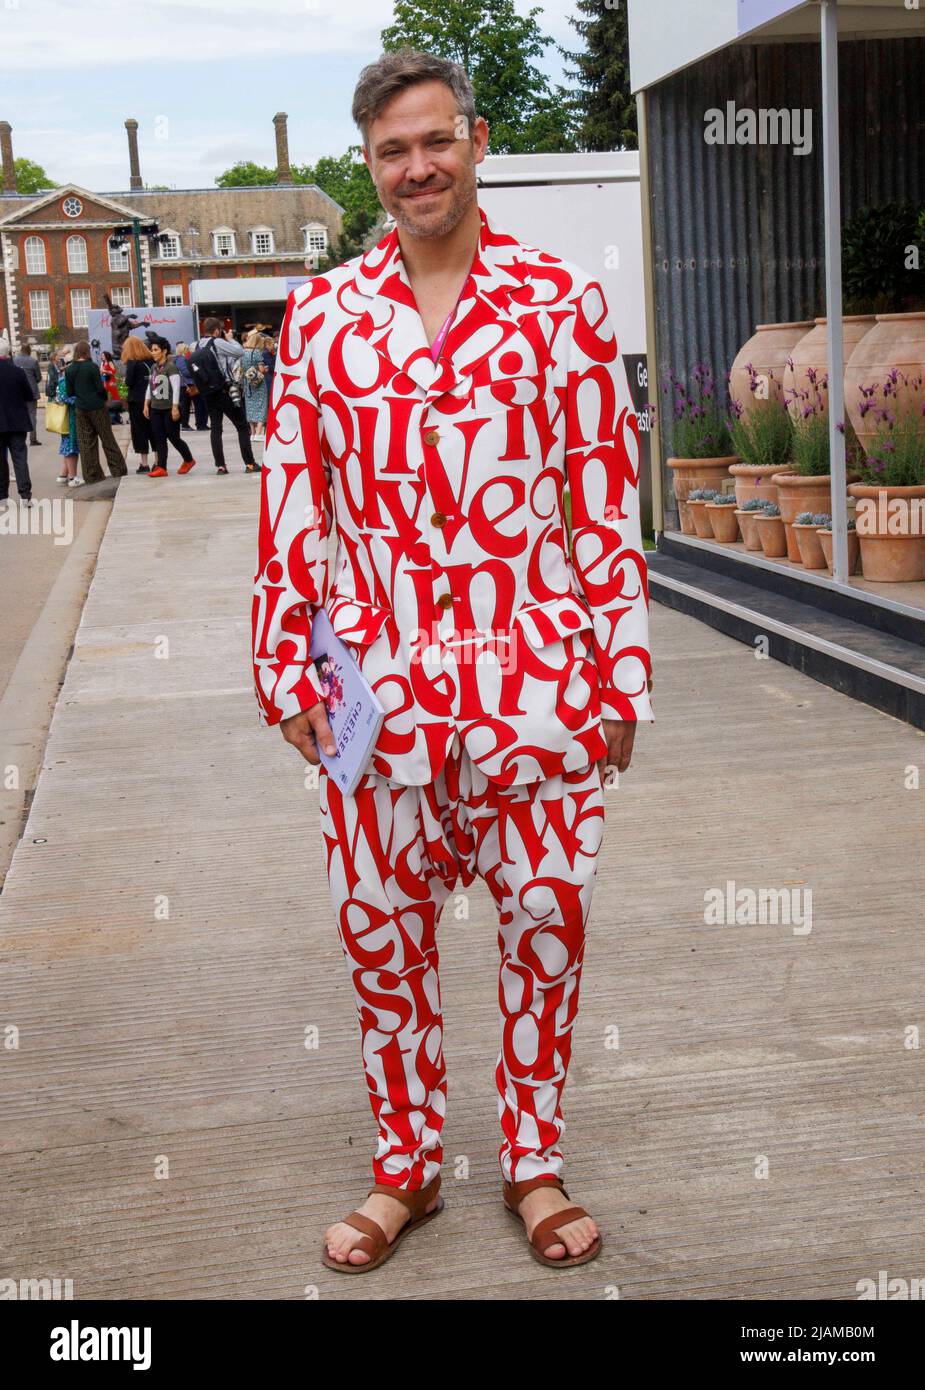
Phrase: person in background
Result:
[83,381]
[220,403]
[111,384]
[15,420]
[67,448]
[189,392]
[137,357]
[162,408]
[55,370]
[269,361]
[253,378]
[27,363]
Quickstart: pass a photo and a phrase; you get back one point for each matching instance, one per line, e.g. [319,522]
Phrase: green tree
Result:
[604,103]
[31,177]
[498,48]
[246,174]
[345,178]
[53,336]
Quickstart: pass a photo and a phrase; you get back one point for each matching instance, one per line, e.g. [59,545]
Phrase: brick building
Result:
[62,249]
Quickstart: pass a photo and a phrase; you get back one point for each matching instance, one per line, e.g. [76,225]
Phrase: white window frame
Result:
[72,207]
[118,256]
[78,262]
[263,232]
[169,250]
[319,231]
[219,235]
[121,295]
[32,268]
[37,319]
[173,296]
[76,314]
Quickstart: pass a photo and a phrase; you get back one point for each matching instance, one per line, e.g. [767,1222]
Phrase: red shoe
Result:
[158,472]
[187,467]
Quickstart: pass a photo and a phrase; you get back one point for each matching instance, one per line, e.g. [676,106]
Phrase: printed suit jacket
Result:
[447,482]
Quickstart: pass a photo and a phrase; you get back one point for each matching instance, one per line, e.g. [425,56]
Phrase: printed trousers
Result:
[394,855]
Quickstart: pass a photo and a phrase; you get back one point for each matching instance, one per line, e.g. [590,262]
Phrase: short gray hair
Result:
[394,72]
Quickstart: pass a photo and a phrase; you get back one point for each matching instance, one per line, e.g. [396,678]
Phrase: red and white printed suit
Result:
[493,651]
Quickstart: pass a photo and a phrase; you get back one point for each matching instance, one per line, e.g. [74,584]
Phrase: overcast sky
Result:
[203,78]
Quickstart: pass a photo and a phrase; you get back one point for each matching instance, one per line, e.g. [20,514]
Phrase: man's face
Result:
[422,159]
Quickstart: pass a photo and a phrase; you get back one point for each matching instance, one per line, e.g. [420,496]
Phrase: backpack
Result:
[206,370]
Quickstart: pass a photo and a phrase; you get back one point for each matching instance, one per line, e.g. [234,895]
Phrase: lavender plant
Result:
[697,427]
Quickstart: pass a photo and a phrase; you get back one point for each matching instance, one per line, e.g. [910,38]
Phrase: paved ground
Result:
[166,939]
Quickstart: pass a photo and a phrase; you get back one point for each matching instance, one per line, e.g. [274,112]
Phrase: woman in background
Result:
[137,358]
[111,384]
[253,378]
[67,446]
[162,408]
[189,391]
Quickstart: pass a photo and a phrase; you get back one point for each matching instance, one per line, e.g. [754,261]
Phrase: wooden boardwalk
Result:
[166,940]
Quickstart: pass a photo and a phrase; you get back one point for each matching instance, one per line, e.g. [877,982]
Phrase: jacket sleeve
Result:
[602,466]
[294,526]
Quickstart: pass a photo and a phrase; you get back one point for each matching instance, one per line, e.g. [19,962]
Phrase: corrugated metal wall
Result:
[737,229]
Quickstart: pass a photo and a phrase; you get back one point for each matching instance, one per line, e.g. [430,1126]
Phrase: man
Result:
[218,395]
[27,363]
[434,397]
[15,398]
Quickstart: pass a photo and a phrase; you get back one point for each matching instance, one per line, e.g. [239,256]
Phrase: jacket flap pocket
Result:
[353,621]
[551,621]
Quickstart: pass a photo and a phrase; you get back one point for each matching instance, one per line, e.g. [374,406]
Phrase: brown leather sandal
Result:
[374,1241]
[544,1232]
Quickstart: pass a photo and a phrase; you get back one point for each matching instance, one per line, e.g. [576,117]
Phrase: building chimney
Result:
[6,154]
[134,167]
[283,172]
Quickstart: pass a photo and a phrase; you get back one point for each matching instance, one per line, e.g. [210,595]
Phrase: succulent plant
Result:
[821,519]
[723,499]
[804,519]
[770,509]
[754,504]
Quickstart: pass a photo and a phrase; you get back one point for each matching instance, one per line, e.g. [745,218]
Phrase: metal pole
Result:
[833,291]
[648,254]
[136,237]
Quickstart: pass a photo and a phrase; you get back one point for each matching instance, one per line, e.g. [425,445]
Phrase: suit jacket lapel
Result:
[484,320]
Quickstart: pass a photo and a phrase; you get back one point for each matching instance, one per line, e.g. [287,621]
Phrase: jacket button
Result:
[445,601]
[438,519]
[432,437]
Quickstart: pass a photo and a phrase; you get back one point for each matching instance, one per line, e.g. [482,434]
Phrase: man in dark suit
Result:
[27,363]
[15,397]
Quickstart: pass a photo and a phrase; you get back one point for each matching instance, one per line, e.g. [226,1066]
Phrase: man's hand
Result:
[302,731]
[619,734]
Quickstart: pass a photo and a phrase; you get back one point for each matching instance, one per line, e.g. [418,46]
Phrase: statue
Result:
[122,325]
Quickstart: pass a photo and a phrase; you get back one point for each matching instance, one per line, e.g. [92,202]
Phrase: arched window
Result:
[35,256]
[77,255]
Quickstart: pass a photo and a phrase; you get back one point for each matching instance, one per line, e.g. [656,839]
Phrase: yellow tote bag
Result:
[56,418]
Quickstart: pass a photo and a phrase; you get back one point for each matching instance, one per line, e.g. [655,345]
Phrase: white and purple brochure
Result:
[354,712]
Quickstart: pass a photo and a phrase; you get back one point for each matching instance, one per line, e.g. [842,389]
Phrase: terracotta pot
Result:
[890,532]
[754,481]
[724,521]
[797,494]
[690,473]
[854,548]
[702,527]
[807,539]
[896,340]
[812,351]
[749,530]
[772,536]
[766,351]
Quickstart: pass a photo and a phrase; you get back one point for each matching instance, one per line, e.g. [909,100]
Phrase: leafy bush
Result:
[697,428]
[874,271]
[761,436]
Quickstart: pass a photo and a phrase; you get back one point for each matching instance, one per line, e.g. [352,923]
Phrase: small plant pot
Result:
[889,522]
[854,548]
[724,522]
[811,552]
[753,481]
[749,530]
[690,473]
[772,535]
[698,514]
[795,494]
